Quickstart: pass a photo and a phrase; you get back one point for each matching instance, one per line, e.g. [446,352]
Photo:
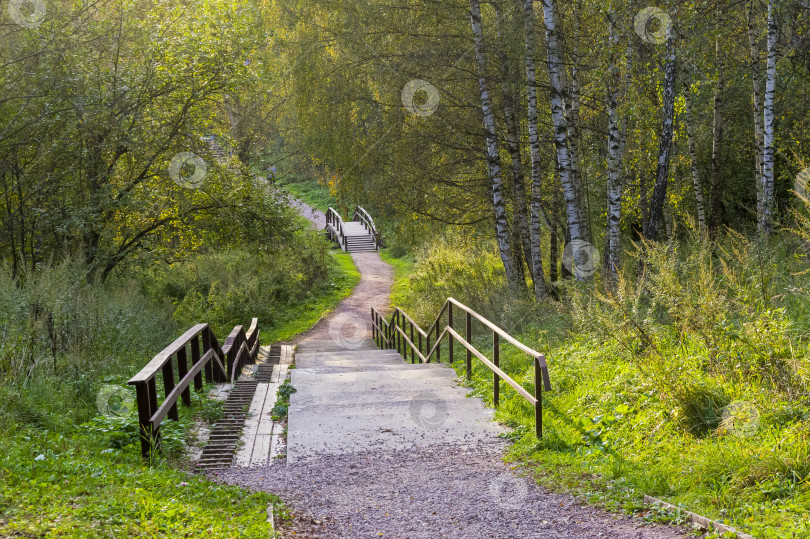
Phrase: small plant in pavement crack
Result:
[283,403]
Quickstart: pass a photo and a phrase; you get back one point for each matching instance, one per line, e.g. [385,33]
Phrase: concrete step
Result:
[337,376]
[350,401]
[344,366]
[332,346]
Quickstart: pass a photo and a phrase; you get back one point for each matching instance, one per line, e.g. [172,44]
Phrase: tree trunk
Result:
[715,216]
[572,121]
[521,222]
[514,271]
[693,158]
[664,144]
[616,136]
[766,222]
[540,289]
[756,77]
[577,226]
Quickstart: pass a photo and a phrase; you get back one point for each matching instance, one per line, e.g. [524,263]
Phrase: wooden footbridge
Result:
[353,236]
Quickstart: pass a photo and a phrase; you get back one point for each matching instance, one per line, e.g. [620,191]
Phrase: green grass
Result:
[88,480]
[344,277]
[311,192]
[403,267]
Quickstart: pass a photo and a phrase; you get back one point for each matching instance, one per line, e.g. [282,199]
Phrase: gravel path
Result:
[459,490]
[428,493]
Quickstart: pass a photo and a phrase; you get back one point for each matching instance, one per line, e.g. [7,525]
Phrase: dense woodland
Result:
[621,185]
[589,124]
[583,123]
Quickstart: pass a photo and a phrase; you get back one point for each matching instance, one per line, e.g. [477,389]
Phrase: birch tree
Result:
[520,221]
[514,271]
[766,220]
[664,144]
[756,81]
[577,224]
[616,137]
[693,157]
[717,139]
[540,292]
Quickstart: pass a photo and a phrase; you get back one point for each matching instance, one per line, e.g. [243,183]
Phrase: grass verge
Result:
[403,267]
[311,192]
[90,481]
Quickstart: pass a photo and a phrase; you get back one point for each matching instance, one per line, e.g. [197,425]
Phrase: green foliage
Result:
[454,266]
[285,390]
[57,322]
[647,377]
[228,288]
[65,337]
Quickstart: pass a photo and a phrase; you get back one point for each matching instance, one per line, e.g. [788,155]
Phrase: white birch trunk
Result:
[766,222]
[514,275]
[693,158]
[577,226]
[756,80]
[540,291]
[717,140]
[521,222]
[664,144]
[616,137]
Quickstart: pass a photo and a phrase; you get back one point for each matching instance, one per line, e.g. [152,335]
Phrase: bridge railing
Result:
[403,334]
[362,215]
[334,226]
[217,364]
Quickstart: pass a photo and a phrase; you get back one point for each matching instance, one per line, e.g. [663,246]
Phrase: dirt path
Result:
[427,486]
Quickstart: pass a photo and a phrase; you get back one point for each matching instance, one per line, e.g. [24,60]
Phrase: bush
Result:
[229,288]
[455,266]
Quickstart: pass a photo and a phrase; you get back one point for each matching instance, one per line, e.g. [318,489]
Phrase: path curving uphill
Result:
[377,447]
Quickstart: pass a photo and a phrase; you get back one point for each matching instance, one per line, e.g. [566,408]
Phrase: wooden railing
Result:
[362,215]
[240,349]
[404,334]
[334,226]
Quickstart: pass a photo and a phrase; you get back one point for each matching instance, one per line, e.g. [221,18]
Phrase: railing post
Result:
[168,385]
[144,414]
[397,334]
[496,359]
[451,339]
[413,352]
[182,370]
[231,357]
[538,394]
[195,357]
[468,336]
[427,344]
[209,367]
[420,346]
[153,434]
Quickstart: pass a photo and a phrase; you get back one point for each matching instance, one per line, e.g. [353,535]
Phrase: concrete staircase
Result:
[350,401]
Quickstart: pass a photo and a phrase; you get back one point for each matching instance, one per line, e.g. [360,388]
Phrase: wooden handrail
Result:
[220,364]
[334,225]
[394,334]
[368,223]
